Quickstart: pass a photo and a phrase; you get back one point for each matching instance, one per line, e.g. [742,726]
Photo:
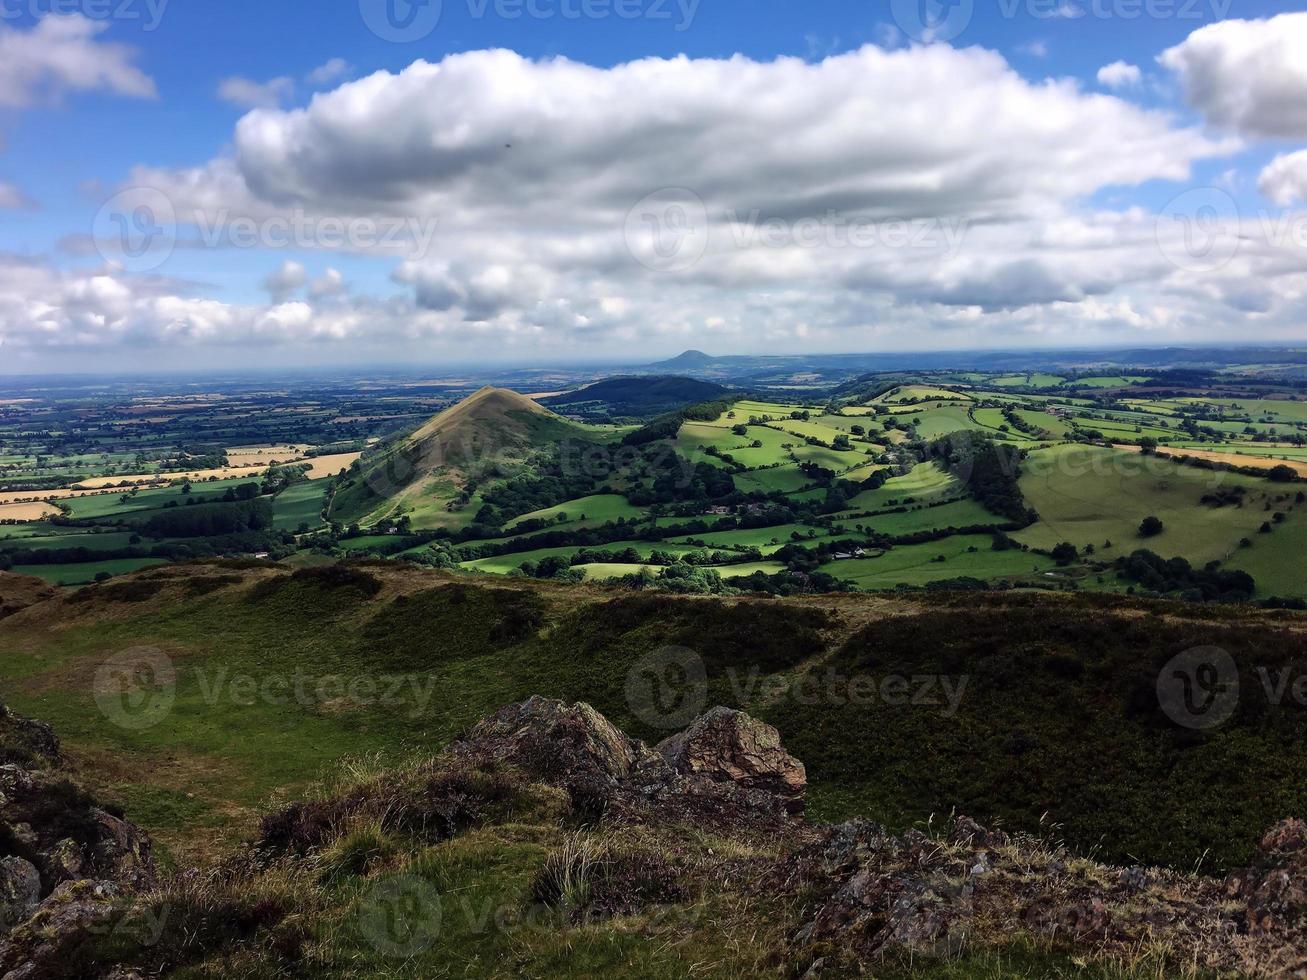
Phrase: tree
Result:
[1282,474]
[1065,553]
[1151,527]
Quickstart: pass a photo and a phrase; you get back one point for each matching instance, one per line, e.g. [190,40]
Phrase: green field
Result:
[81,574]
[925,483]
[918,564]
[1090,495]
[502,564]
[299,504]
[1277,561]
[592,510]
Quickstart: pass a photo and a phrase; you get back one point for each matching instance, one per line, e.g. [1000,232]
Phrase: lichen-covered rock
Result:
[727,746]
[20,891]
[39,946]
[556,741]
[1275,887]
[26,742]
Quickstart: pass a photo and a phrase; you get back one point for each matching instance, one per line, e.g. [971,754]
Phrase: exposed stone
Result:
[551,739]
[20,890]
[36,948]
[727,746]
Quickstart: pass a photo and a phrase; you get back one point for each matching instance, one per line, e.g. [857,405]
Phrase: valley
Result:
[874,482]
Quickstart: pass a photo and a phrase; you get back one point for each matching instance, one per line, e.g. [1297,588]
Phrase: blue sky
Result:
[507,281]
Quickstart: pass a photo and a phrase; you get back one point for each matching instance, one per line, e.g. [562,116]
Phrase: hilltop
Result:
[994,705]
[637,397]
[485,435]
[427,811]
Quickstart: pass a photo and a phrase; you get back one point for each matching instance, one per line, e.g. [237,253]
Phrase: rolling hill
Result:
[637,397]
[487,435]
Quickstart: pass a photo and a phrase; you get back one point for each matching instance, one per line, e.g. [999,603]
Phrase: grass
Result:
[502,564]
[925,483]
[596,509]
[299,504]
[1090,495]
[80,573]
[1275,560]
[918,564]
[1053,680]
[768,539]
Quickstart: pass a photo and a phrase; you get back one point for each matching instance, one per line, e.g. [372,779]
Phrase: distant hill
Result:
[641,397]
[689,360]
[485,434]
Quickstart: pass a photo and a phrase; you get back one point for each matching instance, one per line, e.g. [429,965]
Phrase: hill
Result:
[546,842]
[688,360]
[900,706]
[487,435]
[636,397]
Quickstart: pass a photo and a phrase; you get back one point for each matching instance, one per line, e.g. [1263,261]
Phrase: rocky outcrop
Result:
[726,769]
[883,895]
[26,742]
[555,740]
[1273,891]
[17,592]
[63,857]
[726,746]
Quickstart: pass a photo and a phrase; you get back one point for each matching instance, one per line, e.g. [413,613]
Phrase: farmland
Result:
[854,484]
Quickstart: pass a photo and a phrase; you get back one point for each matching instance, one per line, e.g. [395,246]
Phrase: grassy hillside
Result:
[278,678]
[485,436]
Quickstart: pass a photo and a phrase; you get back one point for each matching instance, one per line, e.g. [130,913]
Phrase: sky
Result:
[268,183]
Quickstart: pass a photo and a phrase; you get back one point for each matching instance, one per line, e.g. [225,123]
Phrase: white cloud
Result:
[13,199]
[1249,76]
[532,253]
[1285,178]
[249,94]
[331,71]
[1036,49]
[477,136]
[1119,74]
[289,279]
[61,54]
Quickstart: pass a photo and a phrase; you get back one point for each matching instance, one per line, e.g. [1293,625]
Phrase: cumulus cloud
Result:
[330,71]
[1248,76]
[287,280]
[1120,74]
[249,94]
[873,198]
[1285,178]
[13,199]
[482,134]
[62,54]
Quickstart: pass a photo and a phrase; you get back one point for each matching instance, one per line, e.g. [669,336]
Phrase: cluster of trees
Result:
[667,426]
[211,520]
[990,469]
[1169,575]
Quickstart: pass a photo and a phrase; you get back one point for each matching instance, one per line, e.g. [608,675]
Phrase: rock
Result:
[38,947]
[20,891]
[556,742]
[123,854]
[26,742]
[1275,887]
[727,746]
